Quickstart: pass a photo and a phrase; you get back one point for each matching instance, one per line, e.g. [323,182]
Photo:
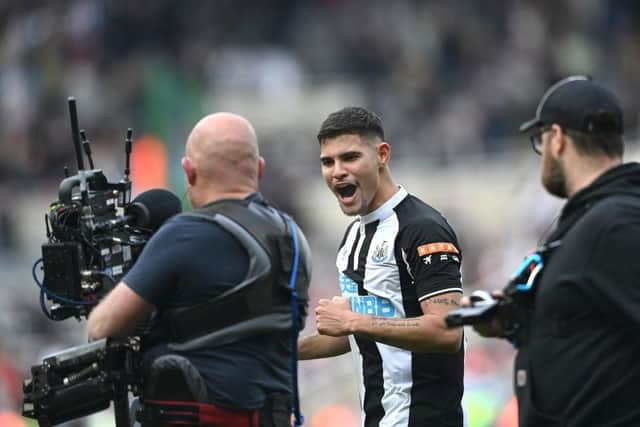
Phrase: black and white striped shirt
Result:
[388,262]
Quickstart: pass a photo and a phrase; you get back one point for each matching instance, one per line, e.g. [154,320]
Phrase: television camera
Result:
[95,233]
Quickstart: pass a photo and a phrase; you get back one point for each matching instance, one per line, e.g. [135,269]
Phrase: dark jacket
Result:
[580,362]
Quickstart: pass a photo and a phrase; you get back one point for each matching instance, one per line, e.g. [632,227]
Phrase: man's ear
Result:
[384,153]
[558,140]
[261,165]
[189,171]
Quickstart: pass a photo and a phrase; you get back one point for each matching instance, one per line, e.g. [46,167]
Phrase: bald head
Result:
[222,158]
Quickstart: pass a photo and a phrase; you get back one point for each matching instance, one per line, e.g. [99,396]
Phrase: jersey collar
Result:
[386,209]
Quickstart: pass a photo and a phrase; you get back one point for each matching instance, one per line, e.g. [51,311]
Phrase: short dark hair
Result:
[351,121]
[610,144]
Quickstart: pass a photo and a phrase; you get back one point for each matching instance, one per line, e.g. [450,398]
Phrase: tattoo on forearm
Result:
[445,301]
[392,322]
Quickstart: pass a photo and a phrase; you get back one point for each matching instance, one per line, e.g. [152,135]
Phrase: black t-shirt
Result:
[188,261]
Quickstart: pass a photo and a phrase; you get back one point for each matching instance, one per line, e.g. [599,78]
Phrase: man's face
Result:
[351,169]
[553,174]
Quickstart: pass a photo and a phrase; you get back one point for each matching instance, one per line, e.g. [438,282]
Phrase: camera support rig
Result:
[82,380]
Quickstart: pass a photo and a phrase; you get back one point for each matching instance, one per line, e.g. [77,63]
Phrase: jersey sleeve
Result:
[432,257]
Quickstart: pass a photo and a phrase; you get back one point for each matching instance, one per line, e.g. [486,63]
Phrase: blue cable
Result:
[52,295]
[43,306]
[299,419]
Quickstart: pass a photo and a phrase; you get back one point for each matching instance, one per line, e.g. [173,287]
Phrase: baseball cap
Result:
[579,103]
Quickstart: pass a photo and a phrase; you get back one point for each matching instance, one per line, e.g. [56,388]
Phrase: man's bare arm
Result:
[320,346]
[118,313]
[423,333]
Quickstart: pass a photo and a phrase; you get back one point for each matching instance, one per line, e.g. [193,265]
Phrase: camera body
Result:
[91,244]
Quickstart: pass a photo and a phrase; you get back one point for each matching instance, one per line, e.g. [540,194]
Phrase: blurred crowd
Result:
[454,77]
[451,80]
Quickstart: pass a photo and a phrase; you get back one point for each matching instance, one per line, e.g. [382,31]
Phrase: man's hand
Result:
[491,328]
[333,317]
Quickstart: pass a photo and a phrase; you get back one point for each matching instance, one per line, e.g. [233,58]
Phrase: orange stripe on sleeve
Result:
[432,248]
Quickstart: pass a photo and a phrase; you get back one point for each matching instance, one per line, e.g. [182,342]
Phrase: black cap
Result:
[579,103]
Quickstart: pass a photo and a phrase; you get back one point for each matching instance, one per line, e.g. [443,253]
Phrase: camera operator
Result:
[579,344]
[221,336]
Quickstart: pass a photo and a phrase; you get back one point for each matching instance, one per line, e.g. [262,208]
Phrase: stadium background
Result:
[451,80]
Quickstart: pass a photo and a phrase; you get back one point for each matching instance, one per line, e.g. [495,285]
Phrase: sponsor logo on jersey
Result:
[366,304]
[348,287]
[439,247]
[427,260]
[380,253]
[372,305]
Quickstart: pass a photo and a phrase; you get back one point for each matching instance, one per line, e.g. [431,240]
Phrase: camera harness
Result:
[259,303]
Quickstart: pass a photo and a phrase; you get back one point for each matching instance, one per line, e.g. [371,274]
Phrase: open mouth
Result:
[346,190]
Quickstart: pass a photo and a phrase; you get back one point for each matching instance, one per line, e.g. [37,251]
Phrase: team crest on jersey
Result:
[381,252]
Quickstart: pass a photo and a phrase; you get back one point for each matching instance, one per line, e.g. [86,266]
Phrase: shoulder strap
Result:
[259,303]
